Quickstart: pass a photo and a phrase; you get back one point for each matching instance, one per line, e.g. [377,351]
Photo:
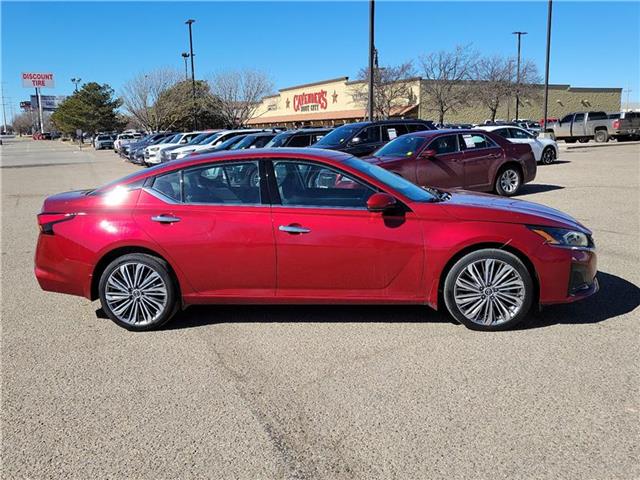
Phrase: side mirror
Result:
[355,140]
[379,202]
[429,153]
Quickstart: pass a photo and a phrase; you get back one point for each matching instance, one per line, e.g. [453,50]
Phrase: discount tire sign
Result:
[37,80]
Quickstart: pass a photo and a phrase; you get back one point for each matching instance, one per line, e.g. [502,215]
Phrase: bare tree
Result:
[239,93]
[391,89]
[142,98]
[493,82]
[443,73]
[22,123]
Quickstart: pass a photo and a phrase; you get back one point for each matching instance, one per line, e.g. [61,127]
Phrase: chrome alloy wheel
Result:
[489,292]
[136,294]
[548,156]
[509,181]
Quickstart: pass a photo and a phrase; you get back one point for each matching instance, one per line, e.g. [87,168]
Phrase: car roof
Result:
[434,133]
[387,122]
[302,131]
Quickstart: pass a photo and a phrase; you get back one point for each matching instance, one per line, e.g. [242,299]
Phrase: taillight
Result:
[616,124]
[46,221]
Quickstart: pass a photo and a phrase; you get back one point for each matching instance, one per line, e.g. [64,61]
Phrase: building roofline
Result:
[304,85]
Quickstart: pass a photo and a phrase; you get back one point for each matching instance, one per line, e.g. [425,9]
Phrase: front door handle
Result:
[294,229]
[165,219]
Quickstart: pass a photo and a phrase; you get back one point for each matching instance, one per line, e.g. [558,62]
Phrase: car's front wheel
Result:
[488,289]
[137,292]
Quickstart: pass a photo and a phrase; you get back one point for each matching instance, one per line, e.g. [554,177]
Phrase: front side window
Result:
[567,118]
[445,144]
[225,184]
[503,132]
[578,118]
[390,132]
[305,184]
[369,135]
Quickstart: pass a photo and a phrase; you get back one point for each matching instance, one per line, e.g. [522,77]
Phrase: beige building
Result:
[339,100]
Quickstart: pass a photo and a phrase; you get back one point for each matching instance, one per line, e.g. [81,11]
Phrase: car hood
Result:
[472,206]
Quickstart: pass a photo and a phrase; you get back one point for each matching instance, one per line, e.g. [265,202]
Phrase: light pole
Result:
[185,55]
[76,81]
[372,11]
[193,75]
[546,66]
[519,34]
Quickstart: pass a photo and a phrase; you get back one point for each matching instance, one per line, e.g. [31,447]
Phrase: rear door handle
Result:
[294,229]
[165,219]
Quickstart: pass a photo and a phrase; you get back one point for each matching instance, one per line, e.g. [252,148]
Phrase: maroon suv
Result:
[469,159]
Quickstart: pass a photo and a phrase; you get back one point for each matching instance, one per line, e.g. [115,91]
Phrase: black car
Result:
[298,138]
[363,138]
[255,140]
[135,152]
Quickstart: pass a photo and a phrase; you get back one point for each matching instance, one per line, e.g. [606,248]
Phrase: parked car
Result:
[254,140]
[133,148]
[124,139]
[529,125]
[165,154]
[197,231]
[210,142]
[545,150]
[363,138]
[152,152]
[625,125]
[584,126]
[298,138]
[228,144]
[103,141]
[469,159]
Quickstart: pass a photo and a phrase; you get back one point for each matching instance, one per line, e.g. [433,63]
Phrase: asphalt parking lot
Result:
[322,392]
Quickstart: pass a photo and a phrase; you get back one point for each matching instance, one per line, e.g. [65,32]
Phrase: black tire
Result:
[570,140]
[154,264]
[624,138]
[601,136]
[584,140]
[512,315]
[512,181]
[548,156]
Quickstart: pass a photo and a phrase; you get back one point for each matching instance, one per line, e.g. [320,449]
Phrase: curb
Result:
[601,145]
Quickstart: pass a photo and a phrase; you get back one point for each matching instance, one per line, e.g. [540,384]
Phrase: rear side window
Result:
[225,184]
[169,185]
[416,127]
[503,132]
[389,132]
[475,141]
[597,116]
[299,141]
[517,133]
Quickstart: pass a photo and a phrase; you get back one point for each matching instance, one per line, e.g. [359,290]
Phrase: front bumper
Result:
[569,274]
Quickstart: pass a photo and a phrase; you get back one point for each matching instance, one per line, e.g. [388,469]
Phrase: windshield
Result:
[404,146]
[278,140]
[339,136]
[173,138]
[393,181]
[227,144]
[210,138]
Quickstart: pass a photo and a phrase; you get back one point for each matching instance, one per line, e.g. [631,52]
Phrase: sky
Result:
[594,44]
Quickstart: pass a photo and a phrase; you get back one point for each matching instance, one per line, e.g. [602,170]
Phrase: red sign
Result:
[306,102]
[37,79]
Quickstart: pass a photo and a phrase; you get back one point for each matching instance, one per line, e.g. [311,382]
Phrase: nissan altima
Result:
[306,226]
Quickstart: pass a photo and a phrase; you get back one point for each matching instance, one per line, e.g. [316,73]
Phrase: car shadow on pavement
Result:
[555,162]
[200,315]
[531,188]
[616,297]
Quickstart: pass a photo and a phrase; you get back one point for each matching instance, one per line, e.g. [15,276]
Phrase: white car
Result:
[213,140]
[152,153]
[125,138]
[545,150]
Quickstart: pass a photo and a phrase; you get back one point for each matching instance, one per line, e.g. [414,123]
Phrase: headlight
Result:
[562,237]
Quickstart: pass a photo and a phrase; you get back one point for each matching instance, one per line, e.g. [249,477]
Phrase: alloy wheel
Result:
[136,294]
[548,156]
[489,292]
[509,181]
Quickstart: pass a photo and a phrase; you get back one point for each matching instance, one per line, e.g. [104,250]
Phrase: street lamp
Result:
[372,55]
[546,67]
[519,34]
[76,81]
[193,75]
[185,55]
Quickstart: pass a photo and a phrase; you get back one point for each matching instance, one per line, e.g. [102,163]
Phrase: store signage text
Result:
[38,80]
[308,102]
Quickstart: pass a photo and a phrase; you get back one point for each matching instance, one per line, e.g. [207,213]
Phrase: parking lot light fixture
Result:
[546,68]
[185,55]
[372,10]
[193,75]
[519,34]
[76,81]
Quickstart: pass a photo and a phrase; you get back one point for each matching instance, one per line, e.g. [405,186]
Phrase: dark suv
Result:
[298,138]
[363,138]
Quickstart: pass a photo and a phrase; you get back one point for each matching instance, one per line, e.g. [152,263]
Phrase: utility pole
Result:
[193,75]
[4,113]
[372,11]
[185,55]
[519,34]
[546,66]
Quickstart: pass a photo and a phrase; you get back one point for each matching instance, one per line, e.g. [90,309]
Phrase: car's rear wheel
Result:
[601,136]
[489,289]
[508,181]
[548,156]
[137,292]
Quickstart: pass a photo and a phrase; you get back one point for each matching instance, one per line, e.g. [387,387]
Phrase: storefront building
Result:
[339,100]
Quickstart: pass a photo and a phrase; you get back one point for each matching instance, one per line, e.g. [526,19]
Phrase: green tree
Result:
[178,100]
[93,108]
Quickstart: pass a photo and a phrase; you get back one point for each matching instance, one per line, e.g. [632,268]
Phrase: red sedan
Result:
[469,159]
[306,226]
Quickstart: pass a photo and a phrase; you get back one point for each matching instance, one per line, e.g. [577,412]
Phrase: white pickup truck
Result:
[585,126]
